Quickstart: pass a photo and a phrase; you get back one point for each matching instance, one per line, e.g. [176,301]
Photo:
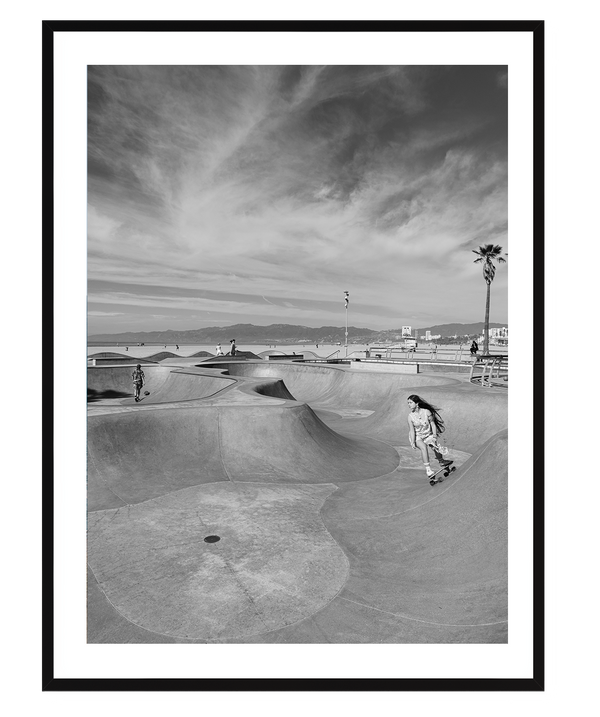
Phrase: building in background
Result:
[499,336]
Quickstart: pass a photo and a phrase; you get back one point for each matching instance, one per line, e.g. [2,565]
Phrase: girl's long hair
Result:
[437,419]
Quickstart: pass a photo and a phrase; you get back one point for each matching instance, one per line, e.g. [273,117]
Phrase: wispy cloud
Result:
[290,184]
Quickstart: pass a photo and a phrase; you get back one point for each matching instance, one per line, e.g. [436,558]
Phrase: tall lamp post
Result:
[346,300]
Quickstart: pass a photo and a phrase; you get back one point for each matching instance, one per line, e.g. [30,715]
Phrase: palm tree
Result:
[487,254]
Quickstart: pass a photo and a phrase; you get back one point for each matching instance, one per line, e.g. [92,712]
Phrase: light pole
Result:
[346,300]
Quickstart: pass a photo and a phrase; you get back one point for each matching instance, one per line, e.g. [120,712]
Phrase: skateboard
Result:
[446,470]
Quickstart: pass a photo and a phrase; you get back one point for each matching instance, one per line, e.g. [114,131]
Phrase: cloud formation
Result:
[260,194]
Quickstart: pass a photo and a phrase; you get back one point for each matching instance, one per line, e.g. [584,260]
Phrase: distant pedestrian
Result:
[233,347]
[425,425]
[219,350]
[177,347]
[474,348]
[138,379]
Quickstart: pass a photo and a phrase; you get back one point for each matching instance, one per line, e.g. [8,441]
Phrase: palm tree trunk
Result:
[486,325]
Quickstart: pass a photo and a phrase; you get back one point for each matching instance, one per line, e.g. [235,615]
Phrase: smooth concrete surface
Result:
[363,365]
[329,530]
[162,384]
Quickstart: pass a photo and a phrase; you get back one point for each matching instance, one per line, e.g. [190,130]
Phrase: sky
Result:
[220,195]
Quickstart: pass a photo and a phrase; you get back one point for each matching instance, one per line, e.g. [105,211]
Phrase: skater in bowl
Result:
[425,425]
[138,379]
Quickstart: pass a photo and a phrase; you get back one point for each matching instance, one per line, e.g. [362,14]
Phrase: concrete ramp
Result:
[434,572]
[139,455]
[115,381]
[187,385]
[440,564]
[274,388]
[326,386]
[164,383]
[471,417]
[225,510]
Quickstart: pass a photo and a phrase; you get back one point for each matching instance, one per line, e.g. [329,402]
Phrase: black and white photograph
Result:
[284,248]
[297,354]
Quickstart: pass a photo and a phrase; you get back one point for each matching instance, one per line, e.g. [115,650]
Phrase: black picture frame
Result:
[52,683]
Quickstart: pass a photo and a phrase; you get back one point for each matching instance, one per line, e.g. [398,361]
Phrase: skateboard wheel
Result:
[431,482]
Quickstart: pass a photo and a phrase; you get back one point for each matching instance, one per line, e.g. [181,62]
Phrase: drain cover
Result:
[212,539]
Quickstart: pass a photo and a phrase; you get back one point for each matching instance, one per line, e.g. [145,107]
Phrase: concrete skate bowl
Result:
[163,384]
[326,531]
[162,356]
[115,381]
[247,355]
[137,456]
[275,388]
[471,416]
[325,386]
[109,358]
[271,352]
[167,355]
[108,354]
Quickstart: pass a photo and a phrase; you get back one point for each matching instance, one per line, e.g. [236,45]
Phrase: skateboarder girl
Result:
[425,425]
[138,379]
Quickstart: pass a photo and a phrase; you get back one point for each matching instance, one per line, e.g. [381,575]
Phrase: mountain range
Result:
[283,333]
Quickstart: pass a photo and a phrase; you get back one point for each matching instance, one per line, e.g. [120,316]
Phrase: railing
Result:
[391,352]
[421,354]
[490,371]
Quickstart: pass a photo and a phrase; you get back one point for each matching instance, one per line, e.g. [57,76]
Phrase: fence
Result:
[490,371]
[422,353]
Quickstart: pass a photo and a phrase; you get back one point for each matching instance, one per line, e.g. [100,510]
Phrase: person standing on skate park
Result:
[138,379]
[425,425]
